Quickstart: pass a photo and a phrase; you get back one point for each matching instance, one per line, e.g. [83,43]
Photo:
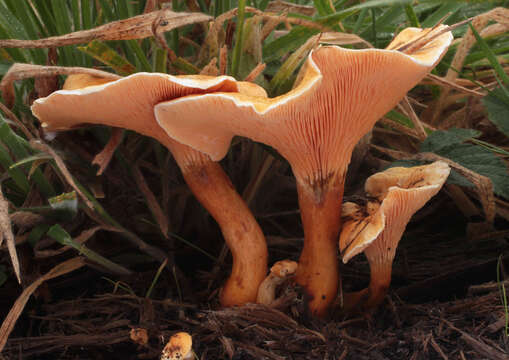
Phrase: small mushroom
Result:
[340,95]
[279,272]
[396,193]
[129,103]
[180,347]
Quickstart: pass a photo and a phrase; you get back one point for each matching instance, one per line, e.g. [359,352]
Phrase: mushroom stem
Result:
[241,232]
[318,271]
[374,294]
[378,284]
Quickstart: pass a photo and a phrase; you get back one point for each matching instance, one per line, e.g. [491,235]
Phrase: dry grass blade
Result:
[63,169]
[283,6]
[211,42]
[23,71]
[223,60]
[19,305]
[421,133]
[482,183]
[137,27]
[6,232]
[151,200]
[479,22]
[428,35]
[257,70]
[341,39]
[452,85]
[104,157]
[211,68]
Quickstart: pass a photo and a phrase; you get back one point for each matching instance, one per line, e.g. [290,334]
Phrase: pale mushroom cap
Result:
[80,81]
[402,191]
[284,268]
[126,103]
[178,348]
[379,184]
[279,272]
[314,126]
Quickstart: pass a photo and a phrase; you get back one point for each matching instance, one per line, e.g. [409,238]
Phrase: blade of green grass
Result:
[323,7]
[411,15]
[19,148]
[490,56]
[448,7]
[237,49]
[59,234]
[102,52]
[343,14]
[160,60]
[276,49]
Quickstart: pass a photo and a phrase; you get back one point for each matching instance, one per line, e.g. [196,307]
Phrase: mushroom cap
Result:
[178,348]
[401,191]
[125,103]
[80,81]
[284,268]
[316,125]
[128,102]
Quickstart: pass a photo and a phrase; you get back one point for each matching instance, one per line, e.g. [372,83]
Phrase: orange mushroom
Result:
[397,194]
[179,347]
[315,126]
[279,272]
[129,103]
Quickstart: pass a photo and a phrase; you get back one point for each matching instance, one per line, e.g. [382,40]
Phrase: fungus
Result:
[179,347]
[279,272]
[315,126]
[396,193]
[129,103]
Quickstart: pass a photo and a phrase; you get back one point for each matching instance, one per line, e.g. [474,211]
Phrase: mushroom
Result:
[179,347]
[396,193]
[279,272]
[315,126]
[129,103]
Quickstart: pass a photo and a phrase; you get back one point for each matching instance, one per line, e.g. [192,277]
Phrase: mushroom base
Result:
[373,295]
[318,272]
[241,232]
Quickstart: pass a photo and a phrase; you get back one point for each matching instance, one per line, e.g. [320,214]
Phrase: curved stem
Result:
[241,232]
[318,272]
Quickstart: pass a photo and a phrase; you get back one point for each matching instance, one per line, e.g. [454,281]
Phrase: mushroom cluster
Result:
[339,96]
[315,126]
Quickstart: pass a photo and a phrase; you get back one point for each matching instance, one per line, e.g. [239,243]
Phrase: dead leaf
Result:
[151,200]
[283,6]
[23,71]
[104,157]
[137,27]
